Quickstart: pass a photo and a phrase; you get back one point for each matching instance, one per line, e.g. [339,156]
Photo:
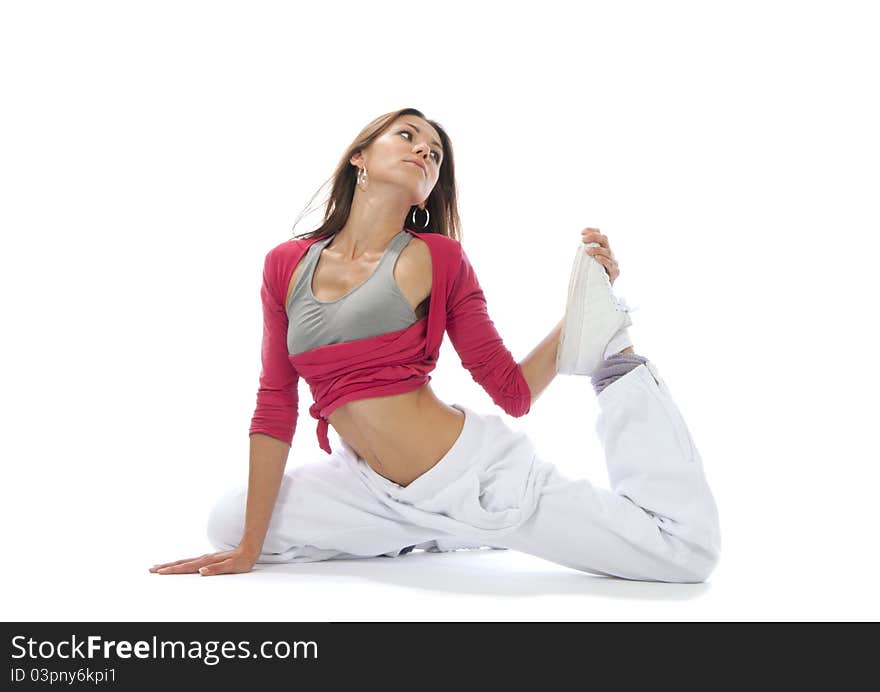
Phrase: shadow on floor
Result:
[482,572]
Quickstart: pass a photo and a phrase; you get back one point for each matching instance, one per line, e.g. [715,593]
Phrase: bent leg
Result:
[323,512]
[659,521]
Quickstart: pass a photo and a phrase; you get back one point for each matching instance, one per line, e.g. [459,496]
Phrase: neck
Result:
[373,221]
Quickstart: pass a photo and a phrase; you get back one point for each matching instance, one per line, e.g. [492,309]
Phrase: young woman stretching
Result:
[359,308]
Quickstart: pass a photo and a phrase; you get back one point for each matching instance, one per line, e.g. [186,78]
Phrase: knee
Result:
[697,561]
[226,520]
[708,553]
[698,567]
[696,545]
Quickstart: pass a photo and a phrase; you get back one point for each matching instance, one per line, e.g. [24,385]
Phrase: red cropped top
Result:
[386,364]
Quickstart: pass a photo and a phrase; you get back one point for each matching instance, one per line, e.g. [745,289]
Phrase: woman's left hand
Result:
[603,253]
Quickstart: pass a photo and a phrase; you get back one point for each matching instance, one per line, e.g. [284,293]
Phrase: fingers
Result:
[593,235]
[610,266]
[187,566]
[602,252]
[160,565]
[609,262]
[599,251]
[182,568]
[227,566]
[224,562]
[602,249]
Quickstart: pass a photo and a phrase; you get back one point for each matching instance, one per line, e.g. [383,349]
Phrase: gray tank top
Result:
[375,307]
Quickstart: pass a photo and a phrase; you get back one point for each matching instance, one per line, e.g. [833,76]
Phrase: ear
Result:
[356,158]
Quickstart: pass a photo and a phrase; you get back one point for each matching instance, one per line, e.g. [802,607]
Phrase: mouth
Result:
[416,163]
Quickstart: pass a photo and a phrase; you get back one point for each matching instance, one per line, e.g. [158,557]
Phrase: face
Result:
[389,157]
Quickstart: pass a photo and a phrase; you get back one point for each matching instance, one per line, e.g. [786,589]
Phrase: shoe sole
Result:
[569,343]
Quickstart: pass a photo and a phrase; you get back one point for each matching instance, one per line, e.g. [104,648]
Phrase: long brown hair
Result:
[442,203]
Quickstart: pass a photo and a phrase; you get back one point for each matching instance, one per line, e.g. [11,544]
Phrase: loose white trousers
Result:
[658,522]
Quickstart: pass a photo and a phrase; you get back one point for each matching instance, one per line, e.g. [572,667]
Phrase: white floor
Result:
[472,585]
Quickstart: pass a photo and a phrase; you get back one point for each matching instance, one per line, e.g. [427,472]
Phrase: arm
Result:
[271,433]
[277,397]
[268,458]
[274,420]
[480,347]
[539,367]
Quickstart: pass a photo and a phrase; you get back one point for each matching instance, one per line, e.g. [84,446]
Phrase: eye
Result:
[434,152]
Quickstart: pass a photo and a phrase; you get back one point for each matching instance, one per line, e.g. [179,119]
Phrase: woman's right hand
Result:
[233,561]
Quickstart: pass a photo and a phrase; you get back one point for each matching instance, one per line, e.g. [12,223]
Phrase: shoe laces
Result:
[621,305]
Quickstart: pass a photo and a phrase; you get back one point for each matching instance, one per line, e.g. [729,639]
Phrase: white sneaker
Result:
[593,316]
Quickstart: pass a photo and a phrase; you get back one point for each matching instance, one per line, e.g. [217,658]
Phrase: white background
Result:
[152,153]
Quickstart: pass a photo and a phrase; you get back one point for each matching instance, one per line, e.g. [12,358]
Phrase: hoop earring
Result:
[362,179]
[425,225]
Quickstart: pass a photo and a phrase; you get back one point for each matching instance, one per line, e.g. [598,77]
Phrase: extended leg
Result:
[659,521]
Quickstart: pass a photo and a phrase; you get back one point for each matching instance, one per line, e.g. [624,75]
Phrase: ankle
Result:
[614,367]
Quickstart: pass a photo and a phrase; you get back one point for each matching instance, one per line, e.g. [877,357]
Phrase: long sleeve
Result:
[277,397]
[480,347]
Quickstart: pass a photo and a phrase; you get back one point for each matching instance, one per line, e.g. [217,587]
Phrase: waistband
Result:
[452,465]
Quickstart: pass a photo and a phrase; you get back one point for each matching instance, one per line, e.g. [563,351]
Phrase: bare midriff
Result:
[400,436]
[403,435]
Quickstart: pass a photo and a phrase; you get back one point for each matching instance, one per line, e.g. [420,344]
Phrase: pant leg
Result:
[659,521]
[323,512]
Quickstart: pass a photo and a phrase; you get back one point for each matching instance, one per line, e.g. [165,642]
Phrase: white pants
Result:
[659,521]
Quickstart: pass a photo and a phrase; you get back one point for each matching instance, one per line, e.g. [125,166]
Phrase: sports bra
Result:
[377,306]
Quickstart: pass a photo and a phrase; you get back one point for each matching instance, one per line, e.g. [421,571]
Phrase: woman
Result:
[359,308]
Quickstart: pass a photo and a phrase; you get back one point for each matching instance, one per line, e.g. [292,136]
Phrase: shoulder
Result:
[417,252]
[289,249]
[436,240]
[436,248]
[280,260]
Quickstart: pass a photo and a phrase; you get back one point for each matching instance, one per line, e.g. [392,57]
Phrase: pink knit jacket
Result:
[386,364]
